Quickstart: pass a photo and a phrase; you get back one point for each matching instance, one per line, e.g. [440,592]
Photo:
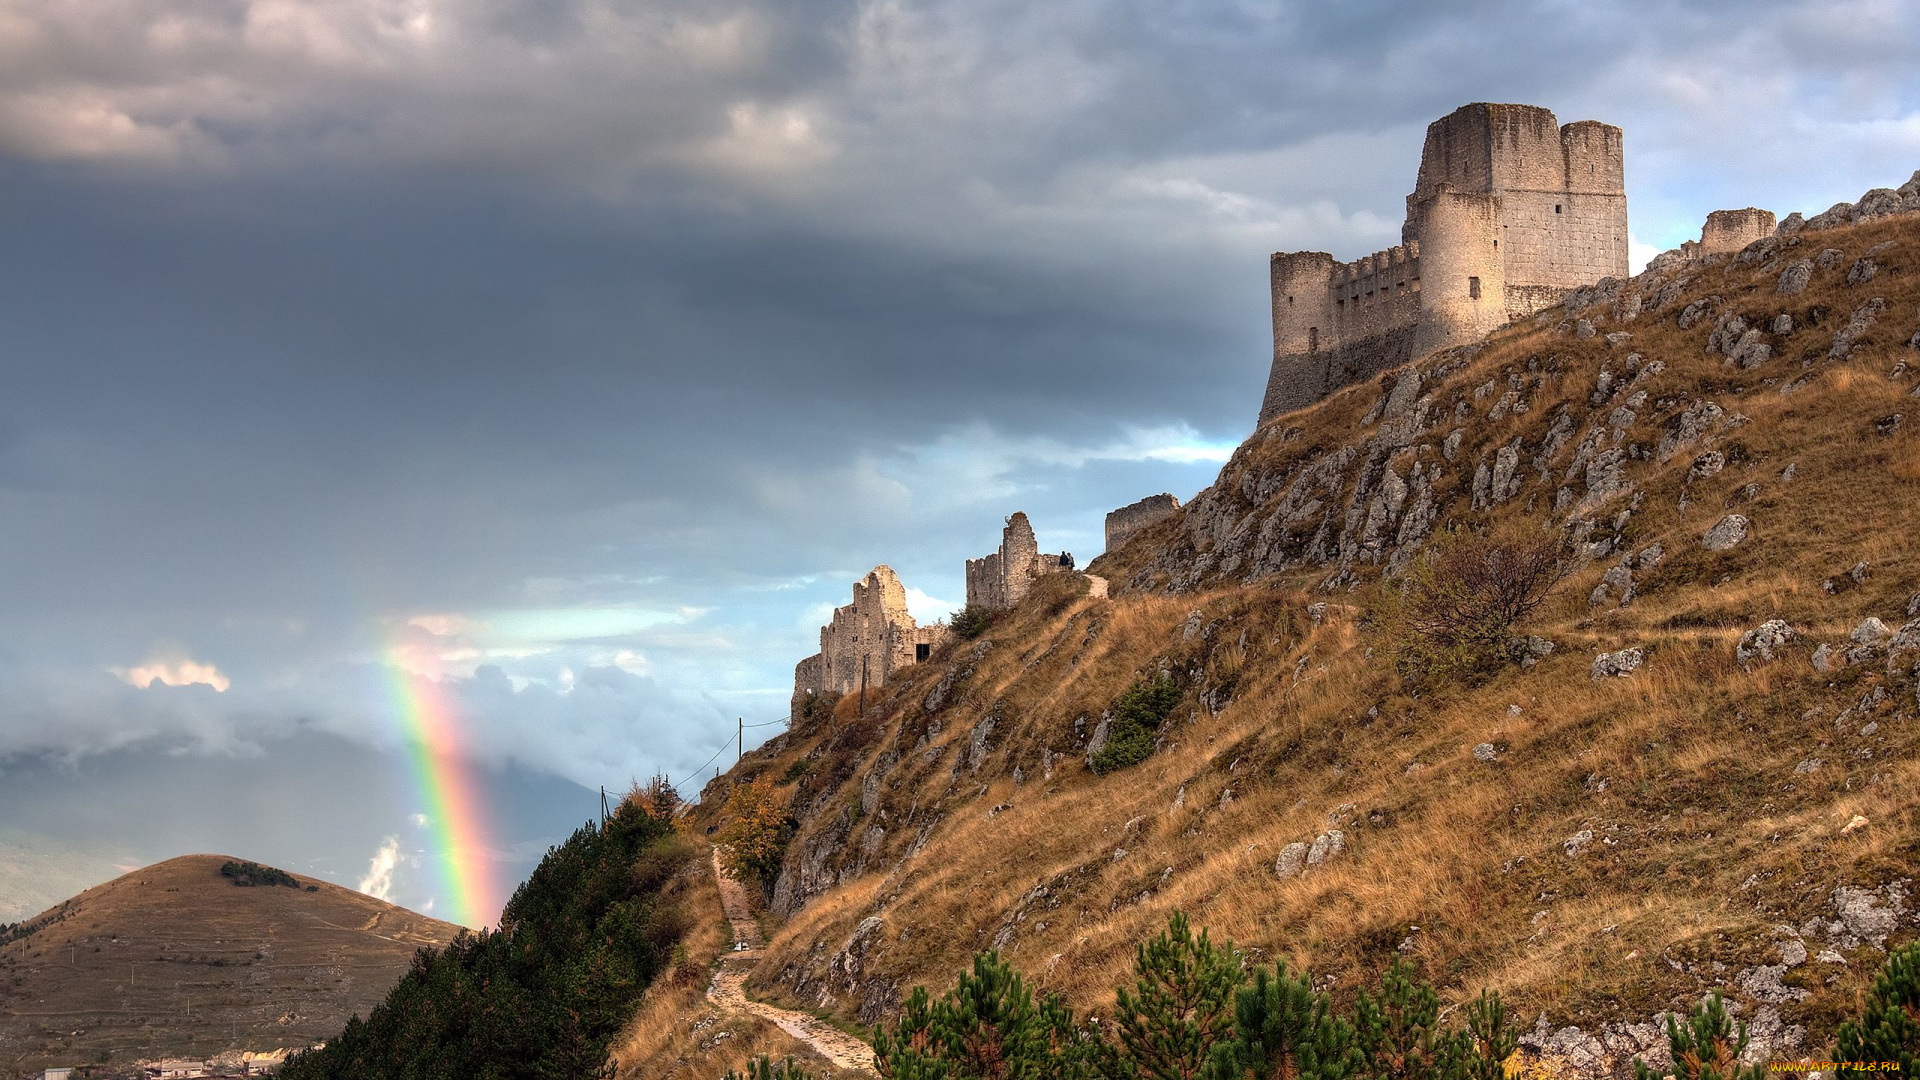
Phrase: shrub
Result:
[1282,1030]
[657,797]
[970,622]
[1135,720]
[1454,610]
[1887,1031]
[252,873]
[763,1068]
[756,832]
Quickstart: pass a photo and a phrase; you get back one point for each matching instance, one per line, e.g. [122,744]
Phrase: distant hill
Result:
[177,959]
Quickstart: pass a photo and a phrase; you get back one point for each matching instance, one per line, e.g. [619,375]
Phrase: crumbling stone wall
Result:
[872,637]
[1509,212]
[1003,578]
[1131,518]
[1729,230]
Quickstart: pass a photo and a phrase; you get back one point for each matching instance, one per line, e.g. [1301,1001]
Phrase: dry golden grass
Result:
[674,1035]
[1705,836]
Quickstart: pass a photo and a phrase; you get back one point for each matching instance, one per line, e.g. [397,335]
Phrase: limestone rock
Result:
[1828,258]
[1823,659]
[1726,533]
[1782,324]
[1706,465]
[1862,271]
[1794,279]
[1485,752]
[1575,844]
[1326,846]
[1616,664]
[1861,321]
[1292,860]
[1533,650]
[1764,643]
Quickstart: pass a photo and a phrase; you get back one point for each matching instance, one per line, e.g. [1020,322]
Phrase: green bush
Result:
[1135,721]
[988,1027]
[1707,1048]
[1180,1009]
[970,622]
[763,1068]
[252,873]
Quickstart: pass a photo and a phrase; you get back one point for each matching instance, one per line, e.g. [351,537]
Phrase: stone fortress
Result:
[1131,518]
[1510,211]
[872,638]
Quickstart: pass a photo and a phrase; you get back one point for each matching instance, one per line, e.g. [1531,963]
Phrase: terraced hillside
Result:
[176,960]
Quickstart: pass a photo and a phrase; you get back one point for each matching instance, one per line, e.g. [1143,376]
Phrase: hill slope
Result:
[1598,847]
[175,960]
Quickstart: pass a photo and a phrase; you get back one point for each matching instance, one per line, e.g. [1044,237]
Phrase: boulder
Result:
[1485,751]
[1794,279]
[1617,664]
[1726,533]
[1764,643]
[1326,846]
[1293,859]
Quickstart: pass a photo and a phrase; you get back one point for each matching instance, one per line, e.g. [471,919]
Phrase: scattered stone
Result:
[1618,338]
[1616,664]
[1327,845]
[1583,329]
[1904,640]
[1293,859]
[1792,470]
[1317,613]
[1485,752]
[1700,309]
[1706,465]
[1888,425]
[1855,825]
[1862,320]
[1574,844]
[1533,650]
[1726,533]
[1764,643]
[1782,324]
[1823,661]
[1793,280]
[1807,766]
[1857,574]
[1828,258]
[1862,271]
[1913,605]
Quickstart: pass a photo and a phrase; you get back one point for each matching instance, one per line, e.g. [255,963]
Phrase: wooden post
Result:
[739,738]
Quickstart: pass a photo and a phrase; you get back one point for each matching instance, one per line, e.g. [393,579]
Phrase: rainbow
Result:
[447,795]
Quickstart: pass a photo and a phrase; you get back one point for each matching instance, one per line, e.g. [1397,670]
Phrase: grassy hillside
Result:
[1598,848]
[178,960]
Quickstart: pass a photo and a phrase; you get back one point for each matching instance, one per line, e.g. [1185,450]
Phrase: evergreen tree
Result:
[1181,1006]
[763,1068]
[1887,1031]
[1396,1032]
[1707,1048]
[1282,1030]
[987,1028]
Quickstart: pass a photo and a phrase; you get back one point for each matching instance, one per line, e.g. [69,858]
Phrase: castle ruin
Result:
[1510,211]
[1131,518]
[1729,230]
[1003,578]
[864,642]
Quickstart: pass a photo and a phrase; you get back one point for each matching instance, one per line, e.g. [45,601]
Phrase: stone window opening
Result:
[1289,301]
[1473,288]
[1556,208]
[922,652]
[1313,338]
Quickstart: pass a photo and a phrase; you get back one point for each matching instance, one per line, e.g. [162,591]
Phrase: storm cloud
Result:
[577,355]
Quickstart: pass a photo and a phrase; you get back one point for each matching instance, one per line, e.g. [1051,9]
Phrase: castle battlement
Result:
[1510,210]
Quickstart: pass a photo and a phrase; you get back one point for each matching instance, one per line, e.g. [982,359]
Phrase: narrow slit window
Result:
[1473,288]
[1313,338]
[1556,208]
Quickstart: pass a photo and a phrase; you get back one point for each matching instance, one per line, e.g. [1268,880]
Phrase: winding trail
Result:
[726,991]
[1096,586]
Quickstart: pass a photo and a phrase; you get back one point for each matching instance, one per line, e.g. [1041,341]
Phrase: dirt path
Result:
[845,1051]
[1096,586]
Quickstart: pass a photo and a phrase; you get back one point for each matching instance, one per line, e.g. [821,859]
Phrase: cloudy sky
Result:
[568,359]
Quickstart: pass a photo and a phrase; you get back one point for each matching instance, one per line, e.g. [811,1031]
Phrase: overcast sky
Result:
[581,353]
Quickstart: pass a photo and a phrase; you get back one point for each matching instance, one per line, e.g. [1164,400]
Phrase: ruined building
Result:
[1003,578]
[1131,518]
[1509,212]
[1729,230]
[871,638]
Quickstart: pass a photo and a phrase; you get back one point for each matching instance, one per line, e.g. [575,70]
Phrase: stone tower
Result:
[1510,210]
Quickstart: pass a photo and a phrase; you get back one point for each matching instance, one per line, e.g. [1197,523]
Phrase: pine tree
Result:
[986,1028]
[1396,1031]
[1282,1030]
[1887,1031]
[1707,1048]
[1181,1007]
[763,1068]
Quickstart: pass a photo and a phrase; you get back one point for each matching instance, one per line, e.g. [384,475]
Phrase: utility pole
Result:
[739,738]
